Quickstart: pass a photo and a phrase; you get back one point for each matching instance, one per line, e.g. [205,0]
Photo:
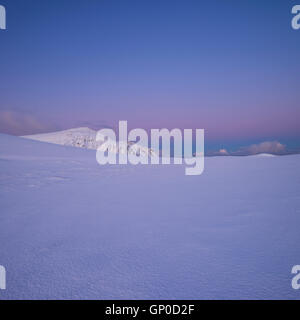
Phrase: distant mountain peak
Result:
[84,137]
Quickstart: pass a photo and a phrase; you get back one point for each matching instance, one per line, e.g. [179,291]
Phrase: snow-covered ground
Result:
[70,228]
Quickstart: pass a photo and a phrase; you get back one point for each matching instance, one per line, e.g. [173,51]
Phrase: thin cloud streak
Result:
[20,123]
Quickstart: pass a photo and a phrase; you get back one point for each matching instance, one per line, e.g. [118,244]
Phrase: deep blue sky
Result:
[229,66]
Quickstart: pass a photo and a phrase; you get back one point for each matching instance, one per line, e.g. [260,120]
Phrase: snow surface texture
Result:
[72,229]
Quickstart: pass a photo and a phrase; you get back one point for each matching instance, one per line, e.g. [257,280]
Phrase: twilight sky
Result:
[229,66]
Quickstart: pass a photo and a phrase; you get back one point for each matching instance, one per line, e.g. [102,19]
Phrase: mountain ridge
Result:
[85,137]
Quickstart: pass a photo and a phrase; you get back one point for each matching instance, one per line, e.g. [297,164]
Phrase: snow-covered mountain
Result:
[85,137]
[77,137]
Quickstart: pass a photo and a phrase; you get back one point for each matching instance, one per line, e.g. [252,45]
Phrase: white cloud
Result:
[221,152]
[273,147]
